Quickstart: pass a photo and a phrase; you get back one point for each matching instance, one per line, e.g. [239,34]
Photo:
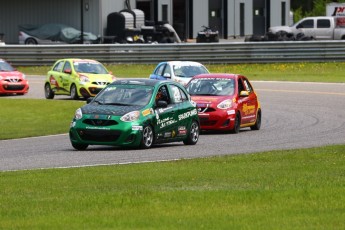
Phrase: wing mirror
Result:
[161,104]
[244,93]
[89,100]
[68,71]
[167,75]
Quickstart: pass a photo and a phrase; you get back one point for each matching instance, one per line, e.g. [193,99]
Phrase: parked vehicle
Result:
[319,28]
[179,71]
[77,78]
[225,102]
[335,9]
[136,113]
[53,34]
[11,80]
[207,35]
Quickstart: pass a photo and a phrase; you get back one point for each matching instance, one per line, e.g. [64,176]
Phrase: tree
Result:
[305,8]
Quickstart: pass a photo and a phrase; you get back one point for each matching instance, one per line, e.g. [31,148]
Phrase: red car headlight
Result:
[226,104]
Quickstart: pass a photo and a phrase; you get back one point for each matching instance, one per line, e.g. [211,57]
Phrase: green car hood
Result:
[116,110]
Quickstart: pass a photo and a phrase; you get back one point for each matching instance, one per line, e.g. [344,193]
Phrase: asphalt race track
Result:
[295,115]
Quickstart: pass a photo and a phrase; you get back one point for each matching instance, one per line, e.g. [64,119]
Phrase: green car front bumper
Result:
[104,131]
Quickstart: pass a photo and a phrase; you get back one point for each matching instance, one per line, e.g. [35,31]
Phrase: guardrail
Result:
[229,52]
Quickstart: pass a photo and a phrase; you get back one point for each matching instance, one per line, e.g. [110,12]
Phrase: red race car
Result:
[225,102]
[11,80]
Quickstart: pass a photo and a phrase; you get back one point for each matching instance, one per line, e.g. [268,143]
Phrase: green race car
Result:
[77,78]
[136,113]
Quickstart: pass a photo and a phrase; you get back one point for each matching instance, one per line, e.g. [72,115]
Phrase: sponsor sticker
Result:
[137,127]
[146,112]
[96,127]
[166,135]
[248,109]
[230,112]
[165,122]
[187,114]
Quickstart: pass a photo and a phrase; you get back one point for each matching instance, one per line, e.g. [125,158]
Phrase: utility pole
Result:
[82,21]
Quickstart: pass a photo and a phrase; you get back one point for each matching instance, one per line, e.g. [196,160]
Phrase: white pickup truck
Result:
[319,28]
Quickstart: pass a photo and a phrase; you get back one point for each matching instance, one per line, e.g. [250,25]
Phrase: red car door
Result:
[247,102]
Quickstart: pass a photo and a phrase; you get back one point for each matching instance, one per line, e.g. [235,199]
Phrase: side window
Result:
[163,94]
[306,24]
[178,94]
[159,70]
[167,70]
[67,66]
[323,23]
[248,85]
[240,85]
[58,66]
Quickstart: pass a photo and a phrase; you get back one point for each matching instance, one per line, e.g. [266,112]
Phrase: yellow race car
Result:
[77,78]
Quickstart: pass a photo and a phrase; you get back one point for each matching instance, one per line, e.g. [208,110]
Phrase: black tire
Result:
[216,38]
[73,92]
[48,92]
[147,138]
[79,146]
[193,134]
[30,41]
[237,124]
[257,124]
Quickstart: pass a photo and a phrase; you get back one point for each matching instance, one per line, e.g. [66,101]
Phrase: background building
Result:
[232,18]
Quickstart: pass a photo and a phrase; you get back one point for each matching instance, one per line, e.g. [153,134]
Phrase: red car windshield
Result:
[211,86]
[4,66]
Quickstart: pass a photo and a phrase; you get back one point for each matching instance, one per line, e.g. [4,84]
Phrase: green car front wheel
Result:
[147,138]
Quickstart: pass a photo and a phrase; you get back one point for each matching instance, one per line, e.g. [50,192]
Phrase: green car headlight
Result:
[131,116]
[78,114]
[226,104]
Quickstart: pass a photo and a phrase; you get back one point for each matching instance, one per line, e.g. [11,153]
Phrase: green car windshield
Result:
[126,95]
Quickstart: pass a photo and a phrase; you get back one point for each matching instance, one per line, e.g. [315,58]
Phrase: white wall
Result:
[200,15]
[276,12]
[170,10]
[234,17]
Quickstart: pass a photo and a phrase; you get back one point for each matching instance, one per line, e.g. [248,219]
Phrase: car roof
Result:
[183,63]
[79,59]
[139,81]
[217,75]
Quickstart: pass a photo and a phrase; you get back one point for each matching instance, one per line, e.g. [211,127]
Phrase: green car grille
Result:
[99,122]
[99,135]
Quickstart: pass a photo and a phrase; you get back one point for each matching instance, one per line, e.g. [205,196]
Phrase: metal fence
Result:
[229,52]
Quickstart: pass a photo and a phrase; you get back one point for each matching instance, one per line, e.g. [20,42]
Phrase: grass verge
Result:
[313,72]
[35,117]
[293,189]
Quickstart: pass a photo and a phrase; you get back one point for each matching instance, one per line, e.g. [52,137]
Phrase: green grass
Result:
[294,189]
[35,117]
[313,72]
